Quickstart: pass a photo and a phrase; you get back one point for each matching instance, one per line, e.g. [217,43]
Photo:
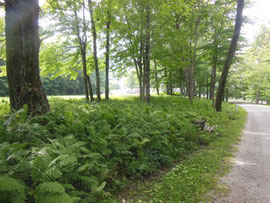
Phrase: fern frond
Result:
[51,187]
[8,184]
[52,174]
[77,145]
[68,187]
[11,190]
[52,192]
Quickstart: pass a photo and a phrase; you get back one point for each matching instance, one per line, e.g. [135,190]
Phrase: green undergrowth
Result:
[88,152]
[195,179]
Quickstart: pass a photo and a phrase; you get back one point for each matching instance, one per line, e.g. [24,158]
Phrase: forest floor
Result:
[195,179]
[147,153]
[250,176]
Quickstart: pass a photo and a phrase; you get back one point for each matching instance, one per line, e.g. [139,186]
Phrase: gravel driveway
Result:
[249,180]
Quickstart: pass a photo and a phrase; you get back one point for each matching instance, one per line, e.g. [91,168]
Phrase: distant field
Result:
[82,96]
[67,97]
[51,97]
[77,97]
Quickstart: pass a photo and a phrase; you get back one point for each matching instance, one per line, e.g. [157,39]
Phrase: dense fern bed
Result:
[82,152]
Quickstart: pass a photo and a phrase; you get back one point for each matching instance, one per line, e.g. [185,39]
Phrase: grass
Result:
[195,179]
[91,151]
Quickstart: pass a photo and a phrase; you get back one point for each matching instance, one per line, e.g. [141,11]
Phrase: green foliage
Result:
[88,152]
[3,86]
[252,74]
[51,192]
[11,190]
[193,178]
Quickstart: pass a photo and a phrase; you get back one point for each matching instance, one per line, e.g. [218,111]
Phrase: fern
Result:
[11,190]
[80,151]
[50,187]
[52,192]
[54,198]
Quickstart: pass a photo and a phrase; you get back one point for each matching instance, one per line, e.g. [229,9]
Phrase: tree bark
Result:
[147,54]
[233,46]
[93,26]
[108,26]
[22,50]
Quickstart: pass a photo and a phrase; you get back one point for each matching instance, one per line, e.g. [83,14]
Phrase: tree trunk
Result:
[167,82]
[22,50]
[257,96]
[213,79]
[82,45]
[147,53]
[223,95]
[156,77]
[170,82]
[187,81]
[233,46]
[193,64]
[107,90]
[207,87]
[200,91]
[141,80]
[227,94]
[93,25]
[83,56]
[141,70]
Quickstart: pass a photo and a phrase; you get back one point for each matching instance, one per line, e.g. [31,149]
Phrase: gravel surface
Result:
[249,179]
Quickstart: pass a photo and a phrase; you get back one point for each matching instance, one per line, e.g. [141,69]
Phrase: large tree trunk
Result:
[107,90]
[93,25]
[233,46]
[22,49]
[147,54]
